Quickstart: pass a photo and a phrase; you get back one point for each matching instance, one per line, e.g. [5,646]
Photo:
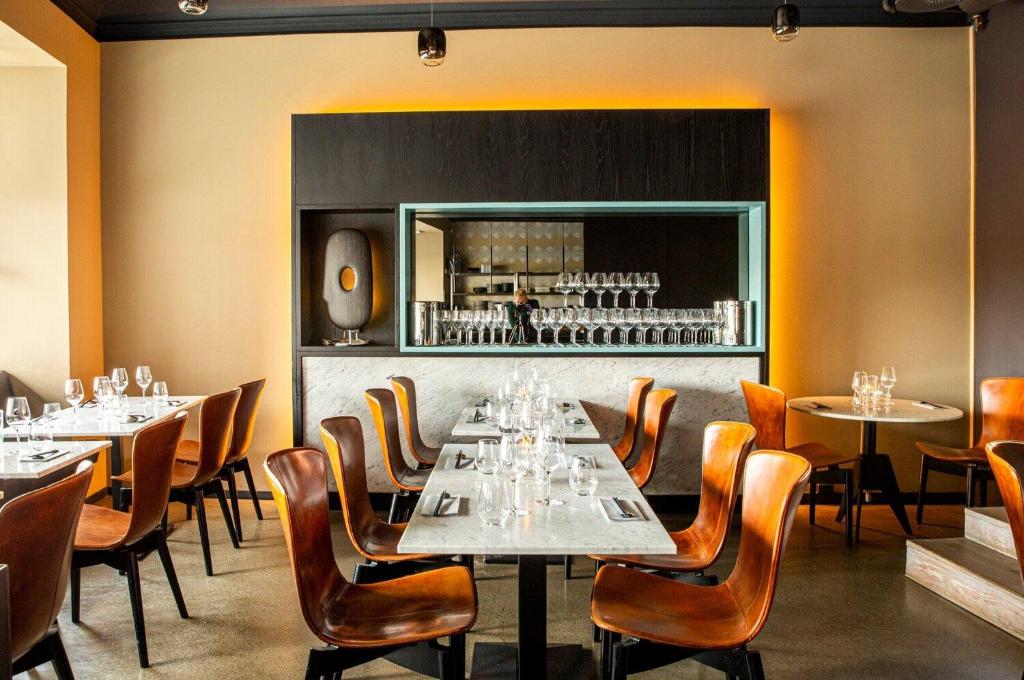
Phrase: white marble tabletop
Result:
[578,527]
[466,428]
[12,466]
[92,423]
[901,410]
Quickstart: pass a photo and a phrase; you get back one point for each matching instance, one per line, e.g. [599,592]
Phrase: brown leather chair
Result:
[657,408]
[405,391]
[766,407]
[1002,417]
[408,481]
[664,621]
[121,539]
[361,622]
[638,391]
[375,540]
[1007,461]
[36,533]
[191,483]
[236,460]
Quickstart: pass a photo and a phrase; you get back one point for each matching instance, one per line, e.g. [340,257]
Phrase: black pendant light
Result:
[192,7]
[785,22]
[432,43]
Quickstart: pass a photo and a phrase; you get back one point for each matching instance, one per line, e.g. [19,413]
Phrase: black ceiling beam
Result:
[488,15]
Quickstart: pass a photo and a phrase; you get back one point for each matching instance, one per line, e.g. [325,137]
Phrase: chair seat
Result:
[690,556]
[101,528]
[819,455]
[405,610]
[182,475]
[655,608]
[952,455]
[188,451]
[413,480]
[380,543]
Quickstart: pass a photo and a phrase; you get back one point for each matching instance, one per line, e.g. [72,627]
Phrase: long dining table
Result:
[579,527]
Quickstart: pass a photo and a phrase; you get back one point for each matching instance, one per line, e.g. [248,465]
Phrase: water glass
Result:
[492,502]
[487,456]
[582,477]
[51,410]
[888,381]
[40,435]
[860,379]
[160,393]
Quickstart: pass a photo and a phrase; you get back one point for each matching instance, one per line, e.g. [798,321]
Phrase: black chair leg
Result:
[188,511]
[812,498]
[233,496]
[76,593]
[970,485]
[620,659]
[755,671]
[135,594]
[172,577]
[922,488]
[204,535]
[458,645]
[567,566]
[984,491]
[860,506]
[59,657]
[247,471]
[848,502]
[218,489]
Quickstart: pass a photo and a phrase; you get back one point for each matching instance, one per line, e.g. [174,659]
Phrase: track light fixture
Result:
[785,22]
[432,43]
[193,7]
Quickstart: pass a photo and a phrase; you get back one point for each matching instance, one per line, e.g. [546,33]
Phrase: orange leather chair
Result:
[375,540]
[405,391]
[1002,417]
[236,461]
[657,408]
[639,388]
[191,483]
[362,622]
[1007,461]
[121,539]
[766,407]
[36,531]
[408,481]
[664,621]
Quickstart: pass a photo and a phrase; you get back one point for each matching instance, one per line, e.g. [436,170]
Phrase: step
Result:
[983,581]
[989,527]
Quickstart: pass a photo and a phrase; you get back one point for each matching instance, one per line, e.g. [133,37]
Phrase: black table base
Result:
[874,472]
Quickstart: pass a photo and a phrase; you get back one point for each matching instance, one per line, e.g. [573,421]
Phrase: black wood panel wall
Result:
[616,155]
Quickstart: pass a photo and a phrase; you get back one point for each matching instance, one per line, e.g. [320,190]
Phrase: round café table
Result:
[874,471]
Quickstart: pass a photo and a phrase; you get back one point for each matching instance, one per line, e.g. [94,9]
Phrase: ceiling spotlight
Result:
[785,22]
[193,7]
[433,46]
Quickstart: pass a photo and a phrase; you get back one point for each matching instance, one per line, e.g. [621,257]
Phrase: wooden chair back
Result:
[639,388]
[766,407]
[152,463]
[245,419]
[216,416]
[1007,461]
[405,392]
[385,418]
[1002,410]
[657,408]
[343,440]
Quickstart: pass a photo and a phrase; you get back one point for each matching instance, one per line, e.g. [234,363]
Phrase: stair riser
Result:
[1002,608]
[989,532]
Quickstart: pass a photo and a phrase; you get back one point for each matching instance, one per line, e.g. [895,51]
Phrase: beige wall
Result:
[870,173]
[34,226]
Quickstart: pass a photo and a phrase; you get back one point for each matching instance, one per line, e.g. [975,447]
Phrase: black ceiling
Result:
[146,19]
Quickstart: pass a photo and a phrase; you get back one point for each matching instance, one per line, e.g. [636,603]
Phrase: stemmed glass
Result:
[677,324]
[571,318]
[18,414]
[648,321]
[631,285]
[609,318]
[538,319]
[102,391]
[888,381]
[498,320]
[564,286]
[616,281]
[143,378]
[598,283]
[651,284]
[553,320]
[579,285]
[860,380]
[549,453]
[480,320]
[514,463]
[631,320]
[74,393]
[119,379]
[586,318]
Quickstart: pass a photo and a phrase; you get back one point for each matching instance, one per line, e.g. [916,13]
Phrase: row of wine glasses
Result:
[464,322]
[19,414]
[109,391]
[872,391]
[616,283]
[643,327]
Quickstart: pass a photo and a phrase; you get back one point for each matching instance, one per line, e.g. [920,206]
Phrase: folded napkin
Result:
[449,507]
[465,463]
[613,514]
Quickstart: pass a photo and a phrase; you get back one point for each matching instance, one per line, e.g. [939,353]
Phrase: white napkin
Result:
[612,513]
[449,507]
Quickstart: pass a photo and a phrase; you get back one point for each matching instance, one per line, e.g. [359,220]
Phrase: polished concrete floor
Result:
[839,613]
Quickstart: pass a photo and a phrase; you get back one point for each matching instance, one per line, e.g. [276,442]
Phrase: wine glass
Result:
[615,286]
[609,318]
[630,320]
[579,284]
[598,283]
[538,319]
[160,393]
[514,462]
[648,321]
[888,381]
[564,286]
[860,379]
[651,285]
[492,502]
[586,317]
[582,477]
[487,456]
[631,284]
[549,452]
[102,390]
[119,379]
[143,378]
[498,320]
[18,414]
[571,318]
[74,393]
[51,410]
[553,322]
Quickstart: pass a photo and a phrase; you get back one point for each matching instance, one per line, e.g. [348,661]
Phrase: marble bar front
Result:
[708,390]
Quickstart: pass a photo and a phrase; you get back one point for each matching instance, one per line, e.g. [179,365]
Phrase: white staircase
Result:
[978,572]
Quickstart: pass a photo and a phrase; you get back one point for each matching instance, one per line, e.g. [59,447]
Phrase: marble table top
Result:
[92,423]
[11,467]
[466,428]
[577,528]
[901,410]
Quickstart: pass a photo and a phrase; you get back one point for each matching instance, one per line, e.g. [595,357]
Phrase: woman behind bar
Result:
[519,310]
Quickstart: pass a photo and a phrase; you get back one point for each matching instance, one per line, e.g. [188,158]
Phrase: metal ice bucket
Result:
[738,329]
[423,323]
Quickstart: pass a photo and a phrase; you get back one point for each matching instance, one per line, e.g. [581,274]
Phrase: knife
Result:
[458,460]
[441,499]
[933,404]
[817,405]
[625,513]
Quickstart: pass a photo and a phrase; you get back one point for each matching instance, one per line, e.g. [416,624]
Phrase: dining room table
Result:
[577,527]
[24,468]
[473,423]
[874,470]
[120,428]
